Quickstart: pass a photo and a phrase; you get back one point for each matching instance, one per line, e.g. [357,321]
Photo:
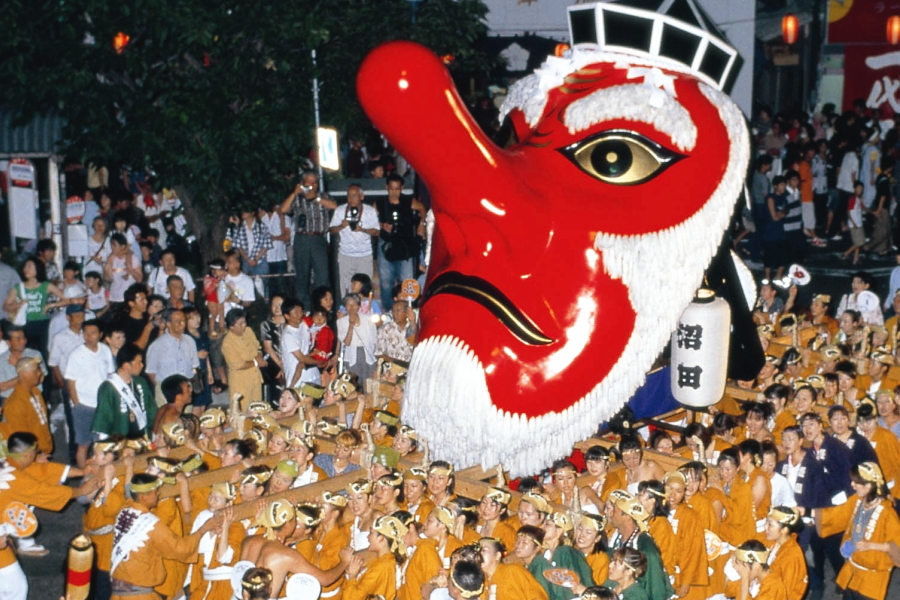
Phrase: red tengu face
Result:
[560,265]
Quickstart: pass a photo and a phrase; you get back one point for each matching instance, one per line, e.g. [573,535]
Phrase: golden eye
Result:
[620,157]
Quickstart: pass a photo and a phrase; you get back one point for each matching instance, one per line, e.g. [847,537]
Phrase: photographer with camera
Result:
[355,224]
[399,242]
[310,214]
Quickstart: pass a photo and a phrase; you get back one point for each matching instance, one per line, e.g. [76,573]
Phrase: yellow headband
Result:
[260,407]
[329,428]
[258,437]
[539,503]
[288,467]
[191,463]
[784,517]
[830,353]
[306,519]
[433,470]
[256,478]
[751,556]
[107,447]
[169,466]
[499,496]
[143,488]
[445,516]
[562,520]
[362,486]
[334,499]
[275,515]
[387,418]
[415,473]
[634,509]
[213,417]
[407,431]
[871,472]
[174,431]
[265,421]
[595,522]
[823,298]
[393,529]
[675,476]
[391,480]
[225,489]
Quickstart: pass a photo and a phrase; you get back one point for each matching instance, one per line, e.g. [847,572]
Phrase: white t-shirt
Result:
[278,251]
[295,339]
[63,344]
[356,243]
[849,172]
[158,277]
[243,287]
[121,279]
[88,370]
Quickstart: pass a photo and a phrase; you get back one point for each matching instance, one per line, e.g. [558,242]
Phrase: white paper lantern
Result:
[700,351]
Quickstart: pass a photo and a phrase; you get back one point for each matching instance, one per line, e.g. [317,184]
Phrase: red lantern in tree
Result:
[790,27]
[893,29]
[120,41]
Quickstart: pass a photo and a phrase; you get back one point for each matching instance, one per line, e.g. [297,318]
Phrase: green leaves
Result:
[215,96]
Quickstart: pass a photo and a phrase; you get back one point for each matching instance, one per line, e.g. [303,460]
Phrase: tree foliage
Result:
[215,95]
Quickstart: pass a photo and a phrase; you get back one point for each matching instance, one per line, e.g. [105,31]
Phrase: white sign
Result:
[23,202]
[329,154]
[21,175]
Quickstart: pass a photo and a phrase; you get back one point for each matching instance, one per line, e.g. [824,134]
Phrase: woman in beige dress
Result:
[243,355]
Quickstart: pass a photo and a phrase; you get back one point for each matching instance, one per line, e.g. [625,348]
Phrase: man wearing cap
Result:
[25,409]
[89,365]
[125,404]
[142,541]
[630,520]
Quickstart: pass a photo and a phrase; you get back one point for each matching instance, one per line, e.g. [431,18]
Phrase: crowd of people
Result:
[751,498]
[820,179]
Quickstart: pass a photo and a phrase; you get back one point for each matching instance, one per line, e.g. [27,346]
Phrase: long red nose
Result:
[409,95]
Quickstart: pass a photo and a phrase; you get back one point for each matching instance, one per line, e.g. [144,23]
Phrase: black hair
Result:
[529,484]
[763,409]
[723,423]
[142,479]
[658,492]
[172,278]
[242,448]
[71,265]
[395,177]
[44,245]
[290,304]
[171,387]
[753,448]
[119,238]
[93,275]
[156,298]
[365,282]
[469,577]
[847,367]
[535,533]
[127,353]
[21,441]
[133,290]
[729,454]
[596,453]
[877,491]
[699,431]
[866,411]
[93,323]
[777,391]
[865,277]
[233,316]
[40,271]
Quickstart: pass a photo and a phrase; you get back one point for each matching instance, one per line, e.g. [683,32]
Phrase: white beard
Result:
[448,400]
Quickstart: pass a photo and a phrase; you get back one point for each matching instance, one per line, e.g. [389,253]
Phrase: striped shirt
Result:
[309,215]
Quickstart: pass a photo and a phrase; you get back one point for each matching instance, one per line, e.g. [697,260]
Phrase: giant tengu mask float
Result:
[560,265]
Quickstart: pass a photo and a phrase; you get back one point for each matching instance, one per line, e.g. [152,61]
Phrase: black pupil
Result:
[611,158]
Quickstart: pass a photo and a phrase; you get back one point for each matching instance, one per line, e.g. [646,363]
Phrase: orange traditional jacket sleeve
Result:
[693,567]
[868,572]
[599,564]
[887,448]
[144,566]
[101,514]
[662,534]
[16,485]
[771,588]
[738,525]
[422,566]
[328,554]
[514,582]
[380,578]
[790,566]
[21,414]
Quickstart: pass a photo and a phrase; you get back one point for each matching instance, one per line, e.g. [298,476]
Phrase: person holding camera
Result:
[310,214]
[398,245]
[355,224]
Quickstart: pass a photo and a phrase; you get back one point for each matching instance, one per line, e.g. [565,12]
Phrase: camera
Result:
[352,217]
[301,222]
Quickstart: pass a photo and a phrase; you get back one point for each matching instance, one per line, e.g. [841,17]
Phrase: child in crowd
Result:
[321,335]
[97,294]
[216,324]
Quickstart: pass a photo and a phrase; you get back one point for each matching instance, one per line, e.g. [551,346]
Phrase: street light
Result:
[790,27]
